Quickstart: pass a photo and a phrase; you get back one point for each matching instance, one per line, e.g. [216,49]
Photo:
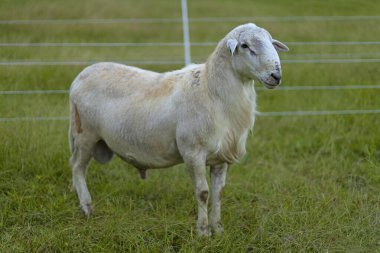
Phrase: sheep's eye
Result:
[244,46]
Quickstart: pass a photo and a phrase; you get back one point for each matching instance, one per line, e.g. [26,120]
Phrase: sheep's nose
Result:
[276,76]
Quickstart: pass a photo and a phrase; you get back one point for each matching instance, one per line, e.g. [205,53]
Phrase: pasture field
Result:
[307,184]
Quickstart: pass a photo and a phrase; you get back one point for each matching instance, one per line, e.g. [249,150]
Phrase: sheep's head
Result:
[254,54]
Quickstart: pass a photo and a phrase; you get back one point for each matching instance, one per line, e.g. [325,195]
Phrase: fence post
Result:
[186,36]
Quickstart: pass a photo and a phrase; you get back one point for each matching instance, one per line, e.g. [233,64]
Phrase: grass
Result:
[308,183]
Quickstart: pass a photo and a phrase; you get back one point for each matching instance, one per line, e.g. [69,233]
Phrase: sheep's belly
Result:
[151,161]
[148,157]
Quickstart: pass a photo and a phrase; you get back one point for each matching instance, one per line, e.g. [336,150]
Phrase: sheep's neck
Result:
[236,95]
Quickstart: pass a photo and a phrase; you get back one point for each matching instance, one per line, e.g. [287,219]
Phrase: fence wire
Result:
[171,44]
[177,62]
[260,114]
[191,20]
[281,88]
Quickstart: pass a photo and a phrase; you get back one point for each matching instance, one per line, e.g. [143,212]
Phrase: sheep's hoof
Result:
[203,232]
[87,209]
[217,229]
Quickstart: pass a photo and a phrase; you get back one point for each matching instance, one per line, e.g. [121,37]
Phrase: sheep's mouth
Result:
[268,83]
[270,86]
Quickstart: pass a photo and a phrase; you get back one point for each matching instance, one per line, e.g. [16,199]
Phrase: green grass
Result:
[308,183]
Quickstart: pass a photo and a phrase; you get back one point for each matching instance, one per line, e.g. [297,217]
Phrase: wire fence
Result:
[367,57]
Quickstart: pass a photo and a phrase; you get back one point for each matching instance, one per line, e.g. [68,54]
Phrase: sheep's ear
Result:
[279,46]
[231,44]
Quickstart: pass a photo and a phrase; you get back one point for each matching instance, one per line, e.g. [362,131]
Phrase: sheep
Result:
[199,115]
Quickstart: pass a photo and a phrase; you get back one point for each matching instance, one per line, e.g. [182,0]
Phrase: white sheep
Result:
[199,115]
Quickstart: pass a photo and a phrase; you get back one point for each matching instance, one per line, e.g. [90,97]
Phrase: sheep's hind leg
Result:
[79,162]
[218,179]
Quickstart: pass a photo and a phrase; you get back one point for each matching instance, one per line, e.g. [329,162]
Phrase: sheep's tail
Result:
[71,141]
[71,127]
[100,151]
[75,126]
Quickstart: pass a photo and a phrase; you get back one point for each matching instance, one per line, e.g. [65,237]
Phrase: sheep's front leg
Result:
[218,179]
[197,168]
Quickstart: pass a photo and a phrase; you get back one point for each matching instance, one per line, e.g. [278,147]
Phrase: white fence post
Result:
[186,36]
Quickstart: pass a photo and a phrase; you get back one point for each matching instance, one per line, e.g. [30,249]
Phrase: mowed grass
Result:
[307,183]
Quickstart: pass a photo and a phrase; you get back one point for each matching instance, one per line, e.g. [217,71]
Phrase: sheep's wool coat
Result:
[143,116]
